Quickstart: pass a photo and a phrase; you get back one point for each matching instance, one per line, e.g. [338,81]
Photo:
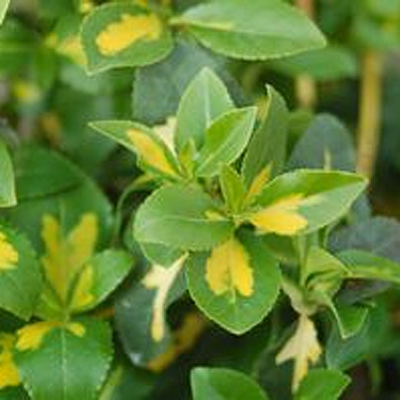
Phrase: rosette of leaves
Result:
[142,32]
[52,281]
[220,193]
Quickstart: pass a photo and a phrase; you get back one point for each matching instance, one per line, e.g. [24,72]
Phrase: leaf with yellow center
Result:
[258,183]
[303,347]
[82,296]
[228,270]
[130,29]
[151,152]
[8,255]
[281,217]
[30,337]
[65,255]
[8,370]
[161,279]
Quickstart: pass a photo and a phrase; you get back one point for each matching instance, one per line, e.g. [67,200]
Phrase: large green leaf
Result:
[225,140]
[260,29]
[78,354]
[304,201]
[267,148]
[224,384]
[123,35]
[236,284]
[322,384]
[181,217]
[205,99]
[7,187]
[20,277]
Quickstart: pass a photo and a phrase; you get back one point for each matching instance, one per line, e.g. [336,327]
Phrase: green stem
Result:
[370,113]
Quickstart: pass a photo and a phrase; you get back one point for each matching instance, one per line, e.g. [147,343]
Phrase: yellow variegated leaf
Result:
[30,337]
[65,254]
[184,338]
[70,47]
[258,183]
[122,34]
[161,279]
[281,217]
[8,369]
[166,132]
[82,296]
[303,347]
[151,152]
[8,255]
[228,269]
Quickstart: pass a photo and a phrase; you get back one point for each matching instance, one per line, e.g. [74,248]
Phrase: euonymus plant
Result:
[212,242]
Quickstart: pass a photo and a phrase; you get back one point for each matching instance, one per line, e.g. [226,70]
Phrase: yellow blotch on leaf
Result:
[228,270]
[150,152]
[30,337]
[8,370]
[303,347]
[128,30]
[82,296]
[281,217]
[8,255]
[66,254]
[258,183]
[161,279]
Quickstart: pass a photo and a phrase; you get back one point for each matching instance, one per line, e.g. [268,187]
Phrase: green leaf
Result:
[181,217]
[42,173]
[159,254]
[123,35]
[330,63]
[232,188]
[147,336]
[326,144]
[225,140]
[99,277]
[366,265]
[20,277]
[78,354]
[322,384]
[152,152]
[3,9]
[13,393]
[267,147]
[205,99]
[236,284]
[7,187]
[224,384]
[304,201]
[260,29]
[165,83]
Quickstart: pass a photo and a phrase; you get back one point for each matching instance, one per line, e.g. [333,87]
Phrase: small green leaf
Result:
[267,147]
[99,277]
[123,35]
[153,153]
[159,254]
[322,384]
[260,29]
[232,188]
[7,186]
[225,140]
[205,99]
[224,384]
[20,277]
[78,354]
[304,201]
[236,284]
[181,217]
